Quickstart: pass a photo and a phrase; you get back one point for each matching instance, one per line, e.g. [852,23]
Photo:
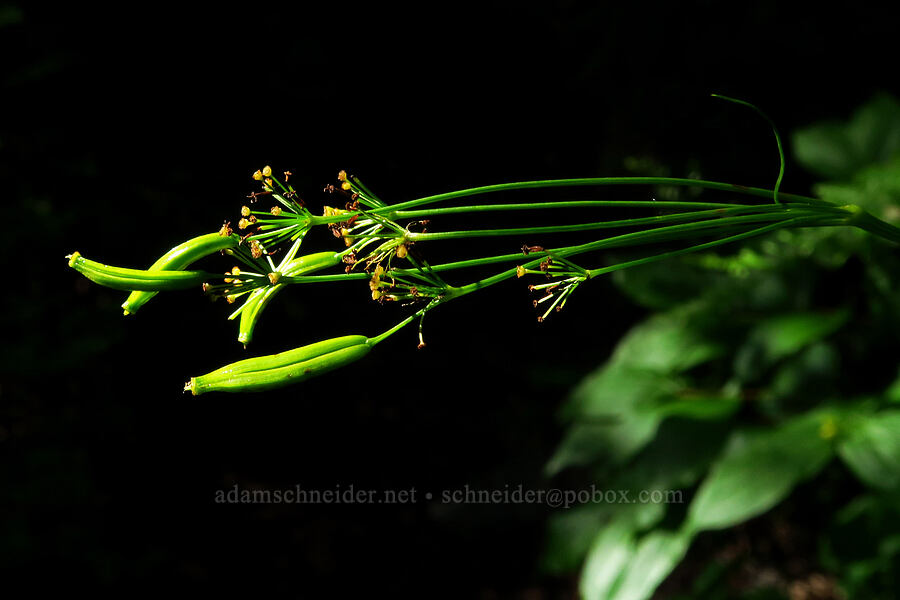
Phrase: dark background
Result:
[127,130]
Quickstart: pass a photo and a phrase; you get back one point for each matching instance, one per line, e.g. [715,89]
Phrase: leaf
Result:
[618,408]
[662,285]
[657,554]
[700,406]
[569,536]
[610,420]
[892,393]
[618,568]
[610,554]
[572,532]
[675,459]
[671,342]
[780,336]
[614,442]
[876,188]
[837,150]
[872,449]
[759,469]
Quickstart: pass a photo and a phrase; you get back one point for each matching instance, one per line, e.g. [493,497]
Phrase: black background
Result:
[127,130]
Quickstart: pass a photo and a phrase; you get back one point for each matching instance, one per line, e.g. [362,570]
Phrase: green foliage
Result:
[871,449]
[757,470]
[757,371]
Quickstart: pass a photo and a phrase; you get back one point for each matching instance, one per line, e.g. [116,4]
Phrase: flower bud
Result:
[267,171]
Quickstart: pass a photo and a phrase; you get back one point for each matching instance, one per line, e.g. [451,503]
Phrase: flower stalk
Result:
[385,245]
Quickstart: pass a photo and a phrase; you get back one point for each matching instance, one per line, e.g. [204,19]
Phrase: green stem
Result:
[452,210]
[659,219]
[601,181]
[615,242]
[380,338]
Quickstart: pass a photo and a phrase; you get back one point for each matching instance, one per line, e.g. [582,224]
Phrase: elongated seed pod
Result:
[178,258]
[259,299]
[278,370]
[120,278]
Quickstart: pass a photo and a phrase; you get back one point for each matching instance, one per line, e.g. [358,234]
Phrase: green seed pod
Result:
[178,258]
[135,279]
[278,370]
[260,298]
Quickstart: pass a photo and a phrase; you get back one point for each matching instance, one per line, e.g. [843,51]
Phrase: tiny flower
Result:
[267,171]
[346,186]
[342,175]
[276,210]
[258,175]
[274,277]
[401,251]
[243,224]
[245,211]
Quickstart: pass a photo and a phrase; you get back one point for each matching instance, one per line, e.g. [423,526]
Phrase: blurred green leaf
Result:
[670,342]
[700,406]
[676,459]
[569,536]
[892,393]
[875,188]
[619,568]
[661,285]
[872,449]
[777,337]
[618,408]
[759,469]
[657,554]
[613,420]
[838,150]
[571,532]
[611,553]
